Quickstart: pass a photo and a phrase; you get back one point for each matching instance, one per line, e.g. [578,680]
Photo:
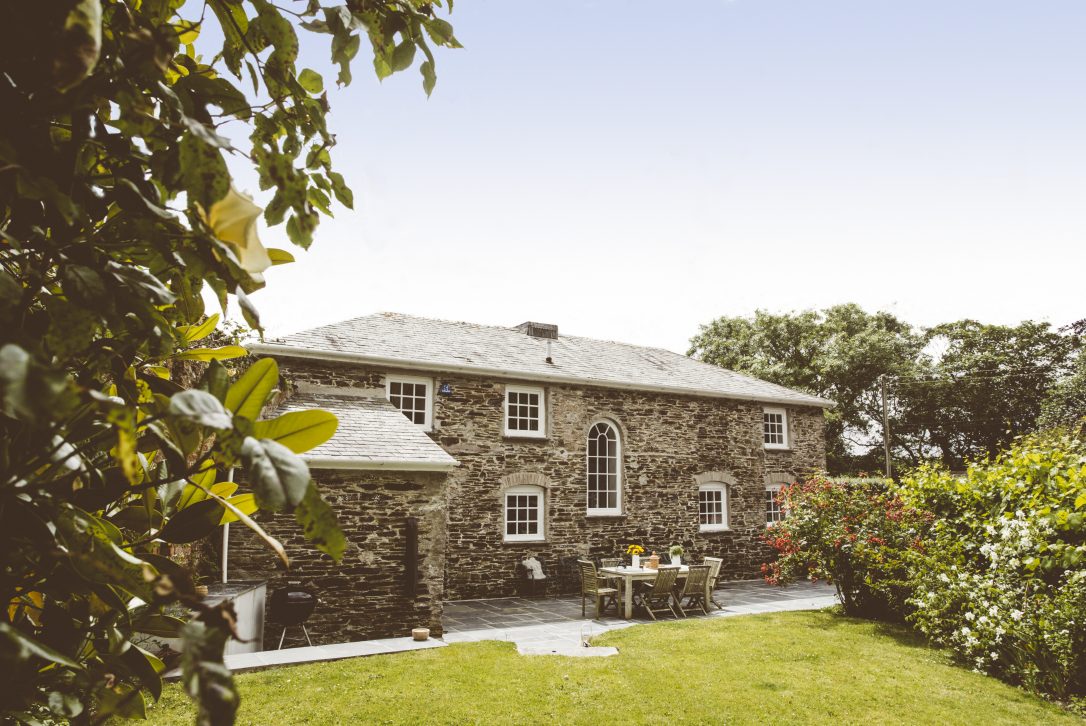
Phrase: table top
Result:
[635,571]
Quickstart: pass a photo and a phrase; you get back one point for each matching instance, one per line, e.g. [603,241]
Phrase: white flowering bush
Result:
[1003,581]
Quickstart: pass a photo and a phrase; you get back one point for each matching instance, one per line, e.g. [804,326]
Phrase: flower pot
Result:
[677,560]
[635,561]
[420,633]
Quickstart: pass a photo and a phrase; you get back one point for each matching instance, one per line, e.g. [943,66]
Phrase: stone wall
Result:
[669,443]
[365,595]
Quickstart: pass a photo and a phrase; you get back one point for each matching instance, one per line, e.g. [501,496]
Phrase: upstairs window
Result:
[774,512]
[604,471]
[414,398]
[525,413]
[775,428]
[524,514]
[712,507]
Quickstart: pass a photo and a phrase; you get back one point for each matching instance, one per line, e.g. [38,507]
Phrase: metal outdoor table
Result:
[628,575]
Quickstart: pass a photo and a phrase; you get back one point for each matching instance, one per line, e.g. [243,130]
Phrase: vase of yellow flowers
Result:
[635,551]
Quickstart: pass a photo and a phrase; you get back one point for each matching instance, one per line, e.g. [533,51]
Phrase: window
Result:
[604,471]
[774,512]
[524,514]
[412,397]
[524,412]
[712,507]
[775,428]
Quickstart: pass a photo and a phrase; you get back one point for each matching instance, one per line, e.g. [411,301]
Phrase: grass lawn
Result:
[803,667]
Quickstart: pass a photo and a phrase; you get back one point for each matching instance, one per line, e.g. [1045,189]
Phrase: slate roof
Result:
[371,434]
[407,341]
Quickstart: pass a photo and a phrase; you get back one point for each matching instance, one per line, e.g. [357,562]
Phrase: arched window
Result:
[712,507]
[604,470]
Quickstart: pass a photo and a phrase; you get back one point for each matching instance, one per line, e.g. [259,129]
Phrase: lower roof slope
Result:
[406,341]
[372,434]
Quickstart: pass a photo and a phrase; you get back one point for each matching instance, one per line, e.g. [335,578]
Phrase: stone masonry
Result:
[363,596]
[670,444]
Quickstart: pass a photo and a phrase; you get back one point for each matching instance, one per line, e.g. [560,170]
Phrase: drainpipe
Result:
[226,537]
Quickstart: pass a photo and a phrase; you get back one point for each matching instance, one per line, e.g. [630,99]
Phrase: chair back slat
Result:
[665,580]
[589,579]
[611,562]
[696,578]
[715,564]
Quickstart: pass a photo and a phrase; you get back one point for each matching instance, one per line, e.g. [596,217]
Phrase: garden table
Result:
[628,575]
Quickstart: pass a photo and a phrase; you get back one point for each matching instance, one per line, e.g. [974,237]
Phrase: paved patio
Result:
[554,626]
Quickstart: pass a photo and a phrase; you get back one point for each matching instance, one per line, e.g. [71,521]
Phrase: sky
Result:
[629,170]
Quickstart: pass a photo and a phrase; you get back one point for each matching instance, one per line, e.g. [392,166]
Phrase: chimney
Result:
[539,330]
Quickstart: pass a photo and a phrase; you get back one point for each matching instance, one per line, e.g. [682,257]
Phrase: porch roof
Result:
[372,434]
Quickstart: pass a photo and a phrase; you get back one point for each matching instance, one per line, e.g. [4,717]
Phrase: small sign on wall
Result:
[445,389]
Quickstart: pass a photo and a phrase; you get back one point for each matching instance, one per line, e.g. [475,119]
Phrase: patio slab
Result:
[555,626]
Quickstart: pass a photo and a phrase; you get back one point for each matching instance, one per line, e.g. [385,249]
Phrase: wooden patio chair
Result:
[714,575]
[611,562]
[693,589]
[592,585]
[658,598]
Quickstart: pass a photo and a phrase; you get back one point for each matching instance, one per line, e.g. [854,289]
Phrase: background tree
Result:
[838,353]
[117,214]
[983,386]
[1066,402]
[956,391]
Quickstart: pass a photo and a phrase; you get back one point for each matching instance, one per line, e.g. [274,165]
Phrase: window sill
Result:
[777,448]
[599,515]
[523,437]
[542,540]
[710,530]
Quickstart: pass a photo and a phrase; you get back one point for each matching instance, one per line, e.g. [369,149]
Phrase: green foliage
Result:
[983,386]
[991,564]
[956,391]
[839,353]
[117,216]
[857,536]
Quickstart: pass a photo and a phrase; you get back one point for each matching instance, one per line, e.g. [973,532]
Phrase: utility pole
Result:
[885,423]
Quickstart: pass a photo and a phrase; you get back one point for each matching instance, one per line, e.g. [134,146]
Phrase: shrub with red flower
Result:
[853,534]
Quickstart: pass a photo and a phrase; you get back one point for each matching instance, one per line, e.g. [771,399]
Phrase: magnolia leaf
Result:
[163,626]
[205,678]
[299,431]
[240,514]
[243,504]
[216,380]
[192,523]
[97,559]
[192,333]
[80,45]
[202,408]
[249,393]
[311,81]
[22,647]
[279,477]
[280,257]
[226,352]
[319,524]
[403,55]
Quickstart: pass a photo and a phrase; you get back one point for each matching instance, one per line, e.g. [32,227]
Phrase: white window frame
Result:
[617,509]
[784,423]
[776,489]
[541,433]
[541,519]
[390,378]
[723,489]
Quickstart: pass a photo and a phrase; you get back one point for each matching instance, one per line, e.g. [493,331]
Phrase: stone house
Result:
[464,448]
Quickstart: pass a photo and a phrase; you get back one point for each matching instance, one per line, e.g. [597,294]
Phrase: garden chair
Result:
[611,562]
[658,598]
[693,589]
[592,585]
[714,575]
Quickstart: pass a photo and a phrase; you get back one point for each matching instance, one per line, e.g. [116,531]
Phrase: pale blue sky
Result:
[629,170]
